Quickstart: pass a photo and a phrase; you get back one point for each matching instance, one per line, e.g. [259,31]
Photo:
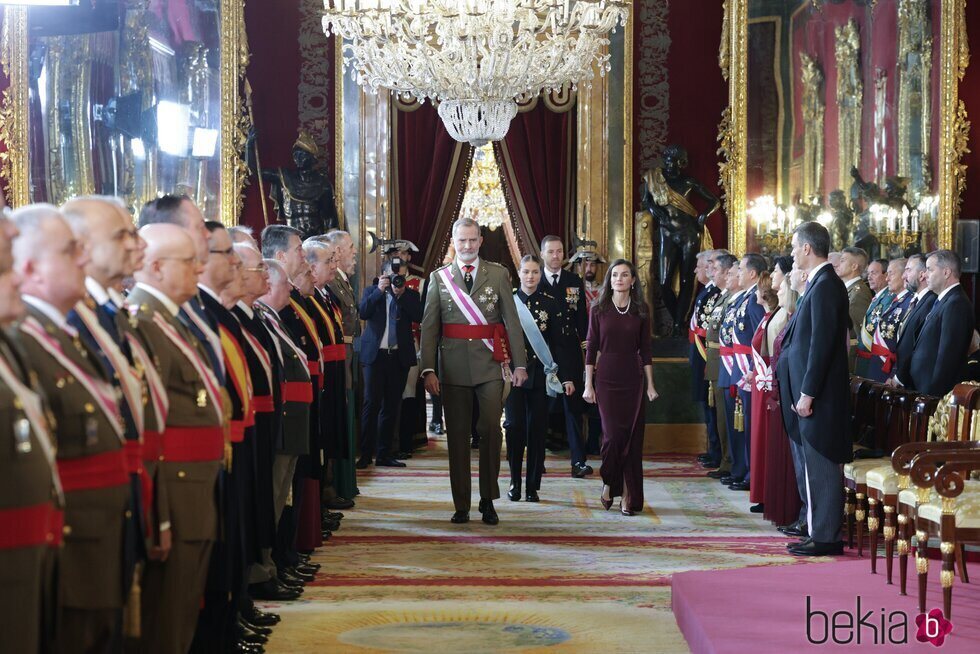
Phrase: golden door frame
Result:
[953,125]
[14,165]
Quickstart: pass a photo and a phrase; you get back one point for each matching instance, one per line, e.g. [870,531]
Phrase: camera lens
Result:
[397,280]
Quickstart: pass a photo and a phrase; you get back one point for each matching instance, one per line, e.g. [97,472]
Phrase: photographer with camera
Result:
[388,308]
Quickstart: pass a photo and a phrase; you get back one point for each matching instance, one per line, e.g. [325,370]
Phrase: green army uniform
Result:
[712,366]
[467,366]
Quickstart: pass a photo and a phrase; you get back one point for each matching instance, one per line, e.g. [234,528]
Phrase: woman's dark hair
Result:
[785,264]
[530,258]
[604,301]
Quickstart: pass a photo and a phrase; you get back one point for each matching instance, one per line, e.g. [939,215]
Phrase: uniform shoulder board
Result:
[441,267]
[492,263]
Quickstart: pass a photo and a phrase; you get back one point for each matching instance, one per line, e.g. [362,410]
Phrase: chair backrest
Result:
[867,418]
[859,406]
[923,406]
[896,431]
[964,403]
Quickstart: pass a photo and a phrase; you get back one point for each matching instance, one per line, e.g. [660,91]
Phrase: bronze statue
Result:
[843,222]
[678,228]
[303,195]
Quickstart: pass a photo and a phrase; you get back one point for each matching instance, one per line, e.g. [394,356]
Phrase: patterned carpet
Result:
[558,576]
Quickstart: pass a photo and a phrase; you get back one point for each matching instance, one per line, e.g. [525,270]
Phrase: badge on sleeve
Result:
[22,436]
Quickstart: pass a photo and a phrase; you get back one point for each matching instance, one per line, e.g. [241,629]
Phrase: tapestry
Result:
[651,104]
[315,108]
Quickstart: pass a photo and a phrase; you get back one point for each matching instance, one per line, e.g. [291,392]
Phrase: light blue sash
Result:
[553,385]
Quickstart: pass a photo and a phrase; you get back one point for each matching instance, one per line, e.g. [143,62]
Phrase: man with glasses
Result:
[191,449]
[89,433]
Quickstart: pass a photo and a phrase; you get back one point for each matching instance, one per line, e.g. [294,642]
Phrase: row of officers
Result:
[174,419]
[910,324]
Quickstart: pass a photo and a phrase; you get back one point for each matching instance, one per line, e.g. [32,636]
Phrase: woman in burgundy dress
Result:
[781,490]
[619,331]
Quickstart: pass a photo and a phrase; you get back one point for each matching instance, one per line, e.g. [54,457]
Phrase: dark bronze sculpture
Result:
[303,195]
[678,228]
[843,222]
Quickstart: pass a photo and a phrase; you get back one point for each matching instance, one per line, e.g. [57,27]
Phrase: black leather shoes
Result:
[718,474]
[579,470]
[704,456]
[305,577]
[475,443]
[460,517]
[272,591]
[728,480]
[739,486]
[388,463]
[813,548]
[362,463]
[709,463]
[514,492]
[489,513]
[289,581]
[802,541]
[532,496]
[260,618]
[797,529]
[330,515]
[436,428]
[403,455]
[339,503]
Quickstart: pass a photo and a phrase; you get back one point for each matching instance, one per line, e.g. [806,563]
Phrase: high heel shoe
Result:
[625,511]
[603,501]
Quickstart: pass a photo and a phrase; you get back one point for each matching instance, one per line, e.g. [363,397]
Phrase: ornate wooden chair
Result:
[953,417]
[882,484]
[881,403]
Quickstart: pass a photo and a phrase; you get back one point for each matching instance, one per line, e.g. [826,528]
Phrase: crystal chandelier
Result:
[483,200]
[477,58]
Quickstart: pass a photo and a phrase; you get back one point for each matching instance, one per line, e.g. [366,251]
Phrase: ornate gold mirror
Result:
[131,98]
[846,112]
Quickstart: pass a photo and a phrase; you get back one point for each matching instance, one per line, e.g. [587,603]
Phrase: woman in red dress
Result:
[619,330]
[761,379]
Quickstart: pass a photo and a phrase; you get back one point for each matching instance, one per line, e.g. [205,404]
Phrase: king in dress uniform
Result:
[697,332]
[471,320]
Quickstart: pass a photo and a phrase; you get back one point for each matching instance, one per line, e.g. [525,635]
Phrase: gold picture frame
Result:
[14,163]
[953,123]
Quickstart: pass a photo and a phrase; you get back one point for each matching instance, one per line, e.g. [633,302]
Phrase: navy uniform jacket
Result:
[704,305]
[939,356]
[748,314]
[728,370]
[550,315]
[887,326]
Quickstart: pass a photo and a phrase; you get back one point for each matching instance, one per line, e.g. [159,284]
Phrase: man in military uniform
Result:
[566,286]
[697,331]
[31,499]
[729,372]
[89,433]
[853,262]
[713,368]
[869,364]
[471,320]
[587,262]
[190,451]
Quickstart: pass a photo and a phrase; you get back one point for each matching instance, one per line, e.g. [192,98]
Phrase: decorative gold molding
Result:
[952,123]
[338,130]
[234,60]
[13,107]
[629,184]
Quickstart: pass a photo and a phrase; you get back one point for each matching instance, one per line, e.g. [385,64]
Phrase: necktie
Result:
[468,277]
[915,301]
[554,279]
[392,318]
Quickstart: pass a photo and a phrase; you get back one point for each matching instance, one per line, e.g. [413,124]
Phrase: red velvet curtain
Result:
[430,177]
[537,168]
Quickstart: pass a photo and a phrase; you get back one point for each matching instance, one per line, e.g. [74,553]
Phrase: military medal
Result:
[91,431]
[22,436]
[202,398]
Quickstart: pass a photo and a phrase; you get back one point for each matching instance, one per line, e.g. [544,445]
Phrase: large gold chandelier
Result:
[476,58]
[483,200]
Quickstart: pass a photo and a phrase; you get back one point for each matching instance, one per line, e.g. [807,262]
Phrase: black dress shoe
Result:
[362,463]
[330,525]
[739,486]
[710,463]
[489,513]
[435,427]
[305,577]
[460,517]
[792,525]
[802,541]
[799,532]
[579,471]
[475,443]
[331,515]
[703,456]
[388,463]
[265,631]
[339,503]
[289,581]
[718,474]
[403,455]
[307,569]
[247,635]
[728,480]
[241,647]
[532,496]
[271,591]
[813,548]
[261,618]
[514,492]
[757,508]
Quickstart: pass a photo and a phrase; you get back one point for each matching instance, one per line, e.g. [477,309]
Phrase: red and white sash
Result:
[284,337]
[763,373]
[101,391]
[260,352]
[211,385]
[129,381]
[471,311]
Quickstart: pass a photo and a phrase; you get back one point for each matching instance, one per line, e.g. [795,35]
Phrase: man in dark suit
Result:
[388,308]
[567,287]
[813,388]
[916,282]
[940,352]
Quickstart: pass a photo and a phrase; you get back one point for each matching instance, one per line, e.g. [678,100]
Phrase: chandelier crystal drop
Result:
[479,57]
[483,200]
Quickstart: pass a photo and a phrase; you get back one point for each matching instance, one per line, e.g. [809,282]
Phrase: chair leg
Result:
[873,533]
[849,516]
[859,514]
[903,554]
[947,549]
[889,533]
[922,566]
[961,562]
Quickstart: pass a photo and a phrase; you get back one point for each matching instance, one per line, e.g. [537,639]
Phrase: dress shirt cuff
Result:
[524,368]
[898,381]
[165,526]
[426,372]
